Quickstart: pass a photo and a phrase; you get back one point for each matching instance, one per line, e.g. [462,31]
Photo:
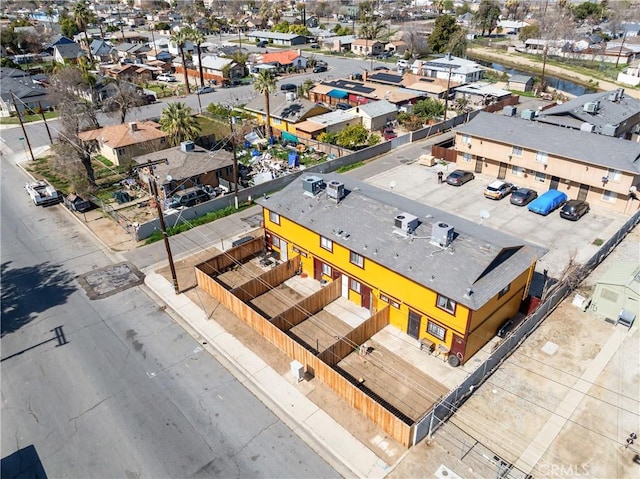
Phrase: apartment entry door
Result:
[479,161]
[502,172]
[583,192]
[555,181]
[413,327]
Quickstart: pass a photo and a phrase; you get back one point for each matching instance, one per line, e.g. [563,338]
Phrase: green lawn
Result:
[13,120]
[209,126]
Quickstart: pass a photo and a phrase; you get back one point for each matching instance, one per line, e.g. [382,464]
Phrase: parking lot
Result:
[564,239]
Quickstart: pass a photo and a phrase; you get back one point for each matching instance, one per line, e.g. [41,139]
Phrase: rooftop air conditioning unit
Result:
[528,114]
[590,107]
[406,222]
[290,96]
[614,95]
[509,110]
[187,146]
[588,127]
[312,185]
[609,130]
[442,234]
[335,190]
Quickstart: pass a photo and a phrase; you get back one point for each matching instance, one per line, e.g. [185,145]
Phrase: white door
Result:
[284,253]
[345,286]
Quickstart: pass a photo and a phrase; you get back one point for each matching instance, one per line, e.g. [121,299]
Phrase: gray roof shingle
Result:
[479,258]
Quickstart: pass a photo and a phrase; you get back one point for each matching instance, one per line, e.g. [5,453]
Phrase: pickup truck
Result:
[43,194]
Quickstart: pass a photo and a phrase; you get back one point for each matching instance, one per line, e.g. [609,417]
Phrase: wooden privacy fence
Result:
[356,398]
[307,307]
[231,257]
[345,345]
[266,281]
[445,154]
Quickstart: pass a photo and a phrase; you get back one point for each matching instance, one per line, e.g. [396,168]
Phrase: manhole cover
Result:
[110,280]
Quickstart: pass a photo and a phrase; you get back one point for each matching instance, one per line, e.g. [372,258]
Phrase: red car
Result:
[389,134]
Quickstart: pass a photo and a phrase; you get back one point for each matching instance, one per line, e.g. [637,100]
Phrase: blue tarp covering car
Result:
[547,202]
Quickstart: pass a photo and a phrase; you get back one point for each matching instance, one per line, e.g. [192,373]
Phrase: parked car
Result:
[148,98]
[166,77]
[389,134]
[343,106]
[288,87]
[499,189]
[262,44]
[523,196]
[403,63]
[189,197]
[459,177]
[574,210]
[548,202]
[379,68]
[315,46]
[320,69]
[205,89]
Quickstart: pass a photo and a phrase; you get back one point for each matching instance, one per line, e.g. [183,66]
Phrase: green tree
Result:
[198,38]
[179,38]
[444,30]
[178,122]
[588,10]
[282,27]
[487,16]
[328,137]
[162,26]
[68,27]
[9,63]
[265,83]
[530,31]
[299,30]
[83,17]
[428,109]
[306,87]
[353,136]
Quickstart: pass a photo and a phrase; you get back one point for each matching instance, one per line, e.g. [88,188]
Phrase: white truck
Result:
[42,193]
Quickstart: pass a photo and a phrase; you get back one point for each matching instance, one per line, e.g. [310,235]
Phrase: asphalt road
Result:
[114,387]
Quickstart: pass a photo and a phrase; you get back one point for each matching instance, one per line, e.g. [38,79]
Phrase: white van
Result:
[403,64]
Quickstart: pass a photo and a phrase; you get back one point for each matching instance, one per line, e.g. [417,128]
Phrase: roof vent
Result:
[442,234]
[528,114]
[509,110]
[406,222]
[335,190]
[312,185]
[133,126]
[590,107]
[588,127]
[187,146]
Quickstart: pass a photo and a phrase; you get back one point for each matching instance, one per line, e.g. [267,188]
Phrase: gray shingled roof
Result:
[281,108]
[478,259]
[610,112]
[577,145]
[378,108]
[187,164]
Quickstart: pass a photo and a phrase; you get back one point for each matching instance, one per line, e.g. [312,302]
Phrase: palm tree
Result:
[179,38]
[265,83]
[178,122]
[82,17]
[198,39]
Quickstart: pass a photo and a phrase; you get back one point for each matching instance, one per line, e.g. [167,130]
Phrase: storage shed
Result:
[618,289]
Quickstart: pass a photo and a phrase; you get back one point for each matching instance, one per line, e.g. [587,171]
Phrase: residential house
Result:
[159,55]
[219,69]
[449,67]
[377,114]
[286,109]
[121,143]
[187,165]
[338,43]
[520,83]
[430,87]
[366,47]
[360,92]
[133,52]
[332,122]
[135,73]
[66,53]
[481,93]
[511,27]
[397,47]
[56,40]
[283,60]
[618,289]
[128,37]
[103,51]
[286,39]
[602,170]
[188,47]
[613,113]
[30,96]
[630,75]
[447,281]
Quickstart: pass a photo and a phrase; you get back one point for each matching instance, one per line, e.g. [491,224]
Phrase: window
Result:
[541,177]
[466,139]
[504,291]
[467,157]
[356,259]
[609,196]
[299,251]
[614,175]
[326,243]
[436,330]
[274,217]
[275,241]
[120,151]
[516,151]
[386,299]
[276,121]
[447,304]
[541,157]
[326,269]
[517,171]
[354,285]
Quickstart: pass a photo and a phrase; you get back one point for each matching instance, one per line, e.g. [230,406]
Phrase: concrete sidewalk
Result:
[335,444]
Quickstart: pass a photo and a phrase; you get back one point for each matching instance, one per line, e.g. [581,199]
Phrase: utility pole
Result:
[154,188]
[24,131]
[446,98]
[46,125]
[235,161]
[624,36]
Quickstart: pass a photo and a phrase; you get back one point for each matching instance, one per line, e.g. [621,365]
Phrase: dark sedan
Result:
[574,210]
[459,177]
[523,196]
[320,69]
